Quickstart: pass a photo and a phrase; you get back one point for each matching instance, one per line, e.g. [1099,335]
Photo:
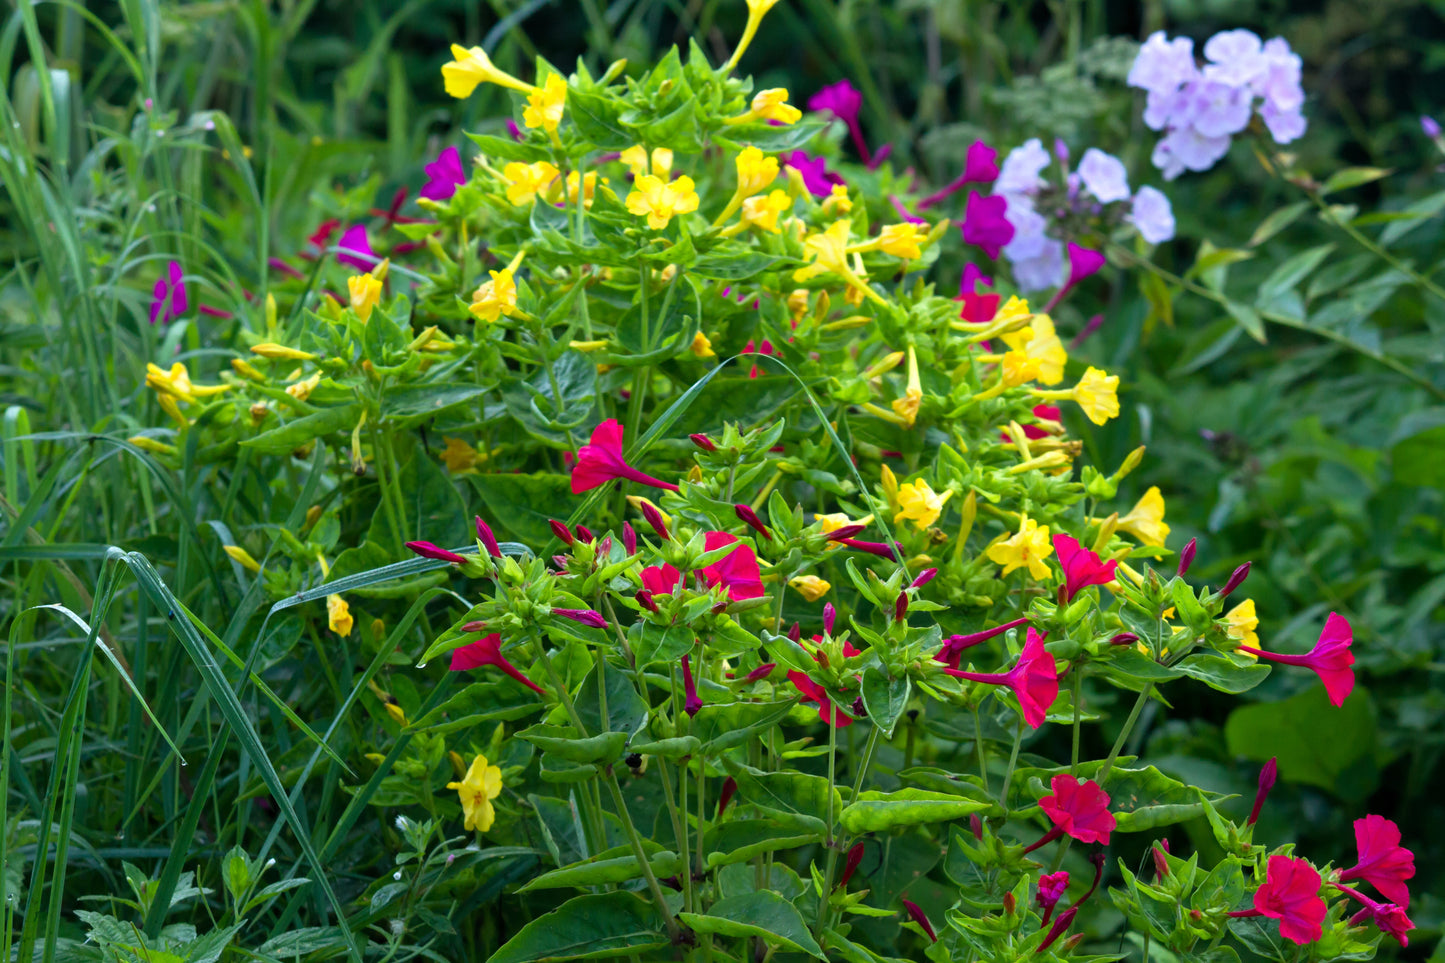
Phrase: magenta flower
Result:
[561,531]
[444,175]
[816,177]
[984,223]
[750,517]
[977,308]
[583,617]
[1051,890]
[1083,262]
[1034,679]
[1080,809]
[488,651]
[737,572]
[872,548]
[729,789]
[1389,917]
[488,540]
[1065,920]
[356,241]
[761,672]
[979,167]
[1331,658]
[430,550]
[1081,566]
[953,646]
[168,300]
[1290,894]
[692,704]
[813,692]
[855,857]
[600,461]
[844,102]
[1383,862]
[660,580]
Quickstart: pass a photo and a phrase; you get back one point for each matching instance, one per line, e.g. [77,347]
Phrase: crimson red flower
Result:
[915,912]
[855,856]
[737,571]
[430,550]
[812,692]
[1081,566]
[1051,890]
[660,580]
[600,461]
[1080,809]
[953,646]
[1331,658]
[488,651]
[1291,894]
[1034,679]
[1389,917]
[1383,862]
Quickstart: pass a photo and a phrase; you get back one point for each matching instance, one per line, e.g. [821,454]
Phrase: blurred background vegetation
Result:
[1318,454]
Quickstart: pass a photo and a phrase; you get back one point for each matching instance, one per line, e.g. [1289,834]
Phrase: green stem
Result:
[640,853]
[828,839]
[981,750]
[1013,761]
[1329,216]
[1076,696]
[1124,732]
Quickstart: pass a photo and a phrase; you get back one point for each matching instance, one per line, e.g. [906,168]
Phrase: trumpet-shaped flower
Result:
[827,252]
[636,159]
[338,615]
[955,645]
[470,67]
[477,789]
[772,104]
[1051,890]
[546,103]
[302,389]
[813,692]
[984,223]
[756,171]
[660,201]
[737,572]
[1240,622]
[1040,343]
[444,175]
[525,181]
[600,461]
[660,580]
[1080,809]
[496,298]
[354,249]
[365,292]
[1028,547]
[1145,520]
[177,383]
[168,299]
[920,504]
[1291,894]
[1383,862]
[1096,393]
[1034,679]
[762,211]
[901,241]
[1081,566]
[907,406]
[1330,659]
[488,651]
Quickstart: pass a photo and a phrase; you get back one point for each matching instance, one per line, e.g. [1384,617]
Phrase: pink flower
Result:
[1051,890]
[1083,262]
[751,348]
[429,550]
[1389,917]
[488,651]
[737,572]
[356,241]
[1290,894]
[1331,658]
[1034,679]
[444,175]
[692,704]
[660,580]
[984,223]
[600,461]
[1081,566]
[1080,809]
[812,692]
[978,168]
[1043,413]
[953,646]
[1065,920]
[844,102]
[1383,862]
[168,300]
[816,177]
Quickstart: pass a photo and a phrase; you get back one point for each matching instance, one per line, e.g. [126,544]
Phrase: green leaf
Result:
[563,742]
[1416,214]
[1293,271]
[1219,672]
[876,811]
[522,505]
[408,407]
[1353,177]
[1277,221]
[598,871]
[626,710]
[297,432]
[884,698]
[1146,798]
[1248,319]
[595,926]
[724,725]
[654,644]
[739,840]
[763,914]
[1415,452]
[790,792]
[1314,742]
[678,747]
[597,118]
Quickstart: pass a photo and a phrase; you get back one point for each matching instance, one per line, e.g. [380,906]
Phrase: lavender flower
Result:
[1152,215]
[1104,176]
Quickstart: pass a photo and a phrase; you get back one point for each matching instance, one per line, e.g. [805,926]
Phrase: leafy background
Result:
[1315,454]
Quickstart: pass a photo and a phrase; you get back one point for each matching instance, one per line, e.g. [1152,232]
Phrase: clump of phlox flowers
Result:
[1200,108]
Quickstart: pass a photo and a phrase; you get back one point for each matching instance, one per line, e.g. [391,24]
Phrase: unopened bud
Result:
[1131,462]
[924,577]
[629,538]
[584,534]
[561,531]
[795,633]
[1010,903]
[900,607]
[1124,638]
[753,521]
[1267,776]
[975,823]
[830,615]
[644,598]
[703,442]
[1235,580]
[1186,557]
[855,856]
[1161,863]
[488,540]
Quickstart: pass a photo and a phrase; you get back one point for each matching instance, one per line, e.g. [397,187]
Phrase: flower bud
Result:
[924,577]
[1010,904]
[729,787]
[900,607]
[1124,638]
[915,913]
[584,534]
[795,633]
[975,823]
[656,519]
[753,521]
[844,531]
[488,540]
[761,672]
[1186,557]
[644,598]
[830,615]
[561,531]
[1267,777]
[1161,863]
[629,538]
[855,856]
[1235,580]
[703,442]
[1065,920]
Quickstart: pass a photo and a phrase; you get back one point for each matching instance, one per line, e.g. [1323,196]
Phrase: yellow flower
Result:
[301,390]
[365,293]
[920,504]
[797,302]
[900,240]
[660,201]
[810,587]
[477,789]
[837,201]
[495,298]
[756,11]
[589,187]
[460,457]
[1029,546]
[907,406]
[772,104]
[152,445]
[1145,520]
[338,615]
[176,383]
[1041,344]
[1018,368]
[827,252]
[889,484]
[701,346]
[836,520]
[756,171]
[762,212]
[1014,307]
[471,67]
[635,158]
[546,103]
[279,352]
[242,557]
[1096,393]
[1241,623]
[526,181]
